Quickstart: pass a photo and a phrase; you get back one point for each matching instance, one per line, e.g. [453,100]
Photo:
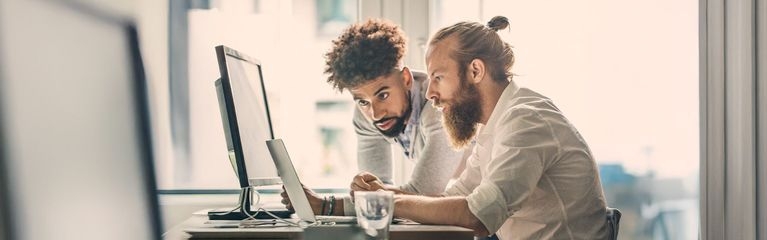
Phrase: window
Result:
[290,39]
[626,75]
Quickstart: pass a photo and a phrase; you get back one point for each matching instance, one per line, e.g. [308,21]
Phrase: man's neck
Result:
[490,92]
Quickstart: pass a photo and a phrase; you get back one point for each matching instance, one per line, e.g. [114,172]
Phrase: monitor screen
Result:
[245,115]
[76,152]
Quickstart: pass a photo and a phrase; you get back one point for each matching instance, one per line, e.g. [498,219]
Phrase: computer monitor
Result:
[245,116]
[76,153]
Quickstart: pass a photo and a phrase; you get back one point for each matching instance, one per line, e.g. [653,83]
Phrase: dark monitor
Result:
[245,116]
[75,150]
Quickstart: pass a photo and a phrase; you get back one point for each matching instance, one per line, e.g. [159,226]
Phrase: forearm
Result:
[438,210]
[322,206]
[398,190]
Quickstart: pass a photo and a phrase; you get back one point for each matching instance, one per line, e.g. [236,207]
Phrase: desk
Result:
[407,231]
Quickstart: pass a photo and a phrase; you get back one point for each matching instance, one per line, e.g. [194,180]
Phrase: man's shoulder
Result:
[528,100]
[527,105]
[419,75]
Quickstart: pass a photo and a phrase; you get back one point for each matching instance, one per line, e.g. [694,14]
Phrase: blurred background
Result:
[625,73]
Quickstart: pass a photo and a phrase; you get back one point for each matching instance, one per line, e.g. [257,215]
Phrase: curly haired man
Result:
[392,111]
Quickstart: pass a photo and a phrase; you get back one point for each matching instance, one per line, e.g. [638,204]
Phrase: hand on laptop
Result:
[314,200]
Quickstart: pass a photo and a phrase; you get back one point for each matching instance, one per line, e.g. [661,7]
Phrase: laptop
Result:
[293,187]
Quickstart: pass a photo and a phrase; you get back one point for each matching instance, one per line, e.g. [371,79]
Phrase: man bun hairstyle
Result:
[498,23]
[363,52]
[477,41]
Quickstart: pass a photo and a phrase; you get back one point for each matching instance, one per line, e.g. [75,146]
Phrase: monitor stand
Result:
[246,196]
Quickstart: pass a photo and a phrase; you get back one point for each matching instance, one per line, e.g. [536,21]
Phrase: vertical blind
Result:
[733,41]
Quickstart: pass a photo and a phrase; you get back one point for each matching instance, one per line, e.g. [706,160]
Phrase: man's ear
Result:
[407,77]
[476,70]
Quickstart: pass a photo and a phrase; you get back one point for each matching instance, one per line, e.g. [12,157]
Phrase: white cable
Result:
[247,191]
[251,221]
[239,205]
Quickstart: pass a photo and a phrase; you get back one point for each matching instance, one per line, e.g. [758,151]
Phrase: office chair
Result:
[613,222]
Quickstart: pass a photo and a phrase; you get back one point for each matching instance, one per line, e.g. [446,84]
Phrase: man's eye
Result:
[362,103]
[383,96]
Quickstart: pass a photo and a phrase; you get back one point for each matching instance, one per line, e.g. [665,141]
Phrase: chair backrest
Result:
[613,222]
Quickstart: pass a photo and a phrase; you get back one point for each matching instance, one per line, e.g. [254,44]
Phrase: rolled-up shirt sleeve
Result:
[468,180]
[522,142]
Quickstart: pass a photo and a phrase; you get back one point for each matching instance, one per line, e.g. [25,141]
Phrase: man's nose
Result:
[378,112]
[431,94]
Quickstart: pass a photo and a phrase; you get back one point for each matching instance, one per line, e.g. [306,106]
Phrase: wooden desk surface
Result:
[397,231]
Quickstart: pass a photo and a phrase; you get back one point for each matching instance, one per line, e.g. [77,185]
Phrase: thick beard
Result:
[461,118]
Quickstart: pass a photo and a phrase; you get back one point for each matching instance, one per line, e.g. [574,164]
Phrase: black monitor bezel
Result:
[140,89]
[231,125]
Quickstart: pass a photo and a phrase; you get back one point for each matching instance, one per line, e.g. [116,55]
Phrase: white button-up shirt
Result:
[531,174]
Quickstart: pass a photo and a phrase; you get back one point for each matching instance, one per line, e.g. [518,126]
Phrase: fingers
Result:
[288,205]
[284,194]
[286,200]
[368,177]
[366,181]
[376,185]
[359,184]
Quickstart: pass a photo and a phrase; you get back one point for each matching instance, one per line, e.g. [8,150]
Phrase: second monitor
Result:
[245,116]
[247,124]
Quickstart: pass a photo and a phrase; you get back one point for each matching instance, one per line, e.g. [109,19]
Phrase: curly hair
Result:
[363,52]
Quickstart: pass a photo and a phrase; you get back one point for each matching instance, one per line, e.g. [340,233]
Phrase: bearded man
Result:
[530,174]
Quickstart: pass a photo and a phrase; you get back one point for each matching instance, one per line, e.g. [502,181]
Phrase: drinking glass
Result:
[375,210]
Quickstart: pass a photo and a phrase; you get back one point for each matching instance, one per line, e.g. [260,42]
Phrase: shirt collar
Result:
[416,105]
